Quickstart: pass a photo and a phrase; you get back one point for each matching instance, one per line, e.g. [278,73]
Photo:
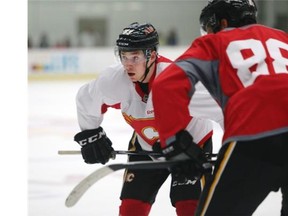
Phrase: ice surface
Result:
[52,124]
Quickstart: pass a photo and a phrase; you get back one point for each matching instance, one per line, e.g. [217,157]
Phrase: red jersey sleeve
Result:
[169,100]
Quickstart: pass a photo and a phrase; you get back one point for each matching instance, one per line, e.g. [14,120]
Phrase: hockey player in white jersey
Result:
[126,86]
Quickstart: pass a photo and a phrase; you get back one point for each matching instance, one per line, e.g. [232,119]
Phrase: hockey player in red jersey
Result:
[126,86]
[244,66]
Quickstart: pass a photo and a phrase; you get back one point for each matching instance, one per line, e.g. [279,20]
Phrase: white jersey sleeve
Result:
[88,101]
[95,97]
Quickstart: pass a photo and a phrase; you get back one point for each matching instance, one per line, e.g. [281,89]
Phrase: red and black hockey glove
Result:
[96,147]
[195,162]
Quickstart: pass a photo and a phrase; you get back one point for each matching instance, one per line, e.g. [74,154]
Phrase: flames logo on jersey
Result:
[145,127]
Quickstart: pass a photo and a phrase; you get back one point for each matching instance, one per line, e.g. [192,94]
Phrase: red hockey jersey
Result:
[244,69]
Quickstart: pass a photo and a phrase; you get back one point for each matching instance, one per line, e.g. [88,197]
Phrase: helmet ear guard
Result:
[237,13]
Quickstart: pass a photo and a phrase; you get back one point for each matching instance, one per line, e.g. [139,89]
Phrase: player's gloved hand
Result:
[158,150]
[96,147]
[194,164]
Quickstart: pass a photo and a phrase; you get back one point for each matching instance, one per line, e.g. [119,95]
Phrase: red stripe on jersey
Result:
[208,136]
[105,107]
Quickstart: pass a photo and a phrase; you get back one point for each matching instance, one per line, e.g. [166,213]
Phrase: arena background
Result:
[60,60]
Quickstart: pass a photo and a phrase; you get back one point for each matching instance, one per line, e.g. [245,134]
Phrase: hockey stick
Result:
[76,152]
[95,176]
[98,174]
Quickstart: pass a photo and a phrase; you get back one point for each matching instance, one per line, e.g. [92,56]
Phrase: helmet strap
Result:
[147,53]
[147,69]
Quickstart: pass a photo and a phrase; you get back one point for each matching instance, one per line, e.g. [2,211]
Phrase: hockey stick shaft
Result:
[123,152]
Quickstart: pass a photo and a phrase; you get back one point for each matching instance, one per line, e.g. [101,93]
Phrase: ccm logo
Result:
[92,138]
[168,150]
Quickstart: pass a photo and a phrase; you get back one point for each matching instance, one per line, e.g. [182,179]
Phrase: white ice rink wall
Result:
[79,61]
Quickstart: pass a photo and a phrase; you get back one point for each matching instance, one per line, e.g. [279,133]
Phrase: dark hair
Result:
[237,13]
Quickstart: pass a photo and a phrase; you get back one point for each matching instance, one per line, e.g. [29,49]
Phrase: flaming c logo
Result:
[150,133]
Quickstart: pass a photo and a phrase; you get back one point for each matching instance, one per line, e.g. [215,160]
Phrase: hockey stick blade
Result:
[98,174]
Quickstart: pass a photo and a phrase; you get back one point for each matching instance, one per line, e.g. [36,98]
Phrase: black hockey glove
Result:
[158,150]
[194,164]
[96,146]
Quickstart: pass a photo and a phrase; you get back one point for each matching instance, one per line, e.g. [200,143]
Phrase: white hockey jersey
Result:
[113,88]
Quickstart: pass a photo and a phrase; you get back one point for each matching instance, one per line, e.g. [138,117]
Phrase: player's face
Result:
[134,64]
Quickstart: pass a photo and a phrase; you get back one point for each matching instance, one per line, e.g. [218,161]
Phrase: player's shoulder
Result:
[270,31]
[113,79]
[203,47]
[112,71]
[162,63]
[163,60]
[113,74]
